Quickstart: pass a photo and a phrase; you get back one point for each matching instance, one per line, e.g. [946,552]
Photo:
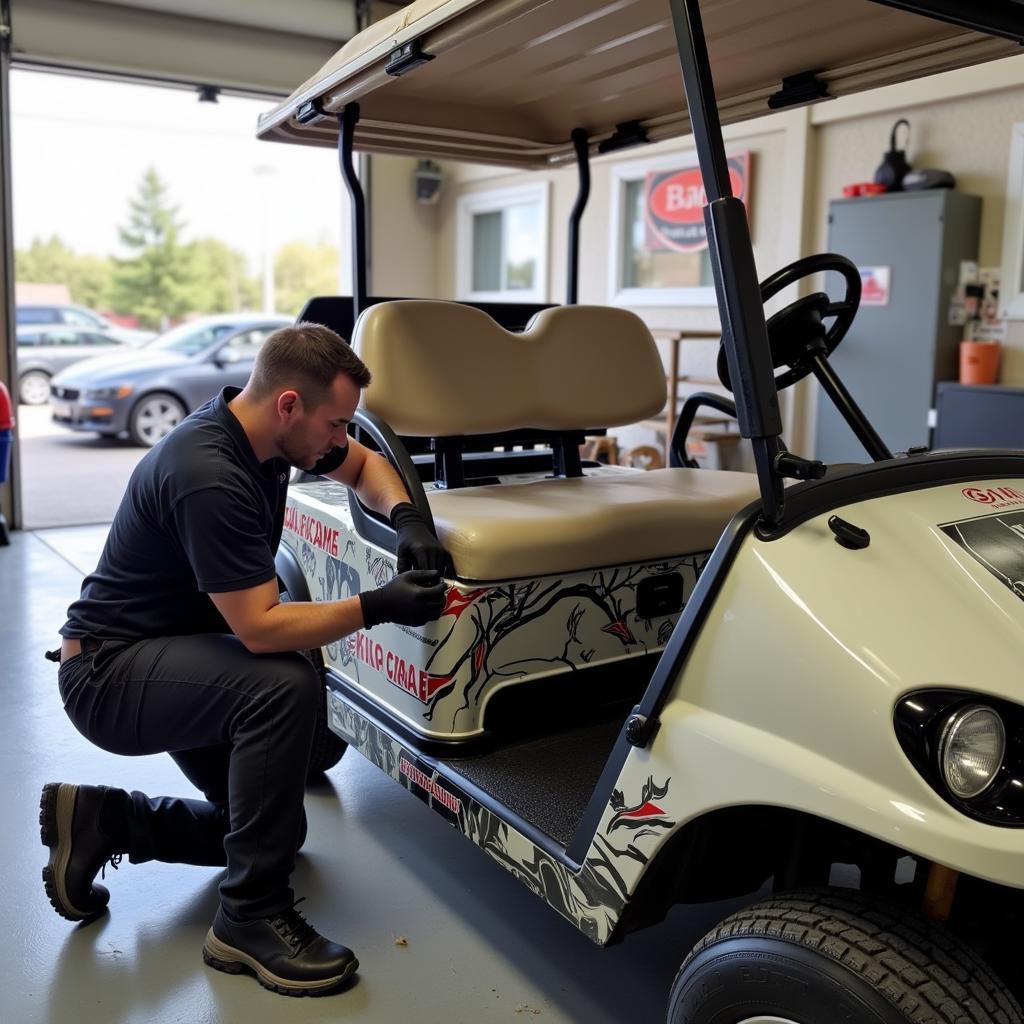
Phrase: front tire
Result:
[154,417]
[835,956]
[34,388]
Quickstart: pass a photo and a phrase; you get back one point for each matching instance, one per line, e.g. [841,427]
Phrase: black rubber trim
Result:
[847,485]
[669,668]
[370,525]
[451,775]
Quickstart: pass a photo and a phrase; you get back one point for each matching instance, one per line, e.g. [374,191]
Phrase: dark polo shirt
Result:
[200,515]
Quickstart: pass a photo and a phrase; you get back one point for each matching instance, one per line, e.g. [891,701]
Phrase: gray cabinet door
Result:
[894,353]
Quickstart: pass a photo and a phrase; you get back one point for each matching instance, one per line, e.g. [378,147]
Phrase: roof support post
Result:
[580,142]
[744,333]
[347,123]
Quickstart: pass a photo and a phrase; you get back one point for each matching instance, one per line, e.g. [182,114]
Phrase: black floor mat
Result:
[547,781]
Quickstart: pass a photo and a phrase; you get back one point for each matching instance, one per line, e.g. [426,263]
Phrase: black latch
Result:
[848,535]
[629,133]
[640,729]
[798,90]
[789,465]
[404,58]
[309,111]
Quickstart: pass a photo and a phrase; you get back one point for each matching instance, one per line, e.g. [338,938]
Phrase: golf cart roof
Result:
[507,81]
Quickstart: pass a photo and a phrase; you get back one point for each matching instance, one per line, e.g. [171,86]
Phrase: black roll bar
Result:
[347,120]
[580,143]
[744,333]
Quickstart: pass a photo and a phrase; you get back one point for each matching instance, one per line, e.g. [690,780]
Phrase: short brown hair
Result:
[307,357]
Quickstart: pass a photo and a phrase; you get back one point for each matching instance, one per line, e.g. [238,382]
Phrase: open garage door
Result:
[250,47]
[259,46]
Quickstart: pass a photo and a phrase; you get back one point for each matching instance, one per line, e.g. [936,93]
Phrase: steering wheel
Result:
[796,334]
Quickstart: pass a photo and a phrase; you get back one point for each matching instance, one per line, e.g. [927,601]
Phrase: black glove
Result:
[418,548]
[411,598]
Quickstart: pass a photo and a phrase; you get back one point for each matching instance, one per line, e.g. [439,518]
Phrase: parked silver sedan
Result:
[144,393]
[45,351]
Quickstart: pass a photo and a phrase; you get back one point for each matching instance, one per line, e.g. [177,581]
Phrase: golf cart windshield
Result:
[507,81]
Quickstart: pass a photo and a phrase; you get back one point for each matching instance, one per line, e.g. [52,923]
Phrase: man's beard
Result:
[295,453]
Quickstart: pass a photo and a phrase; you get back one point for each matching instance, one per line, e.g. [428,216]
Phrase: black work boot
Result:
[285,952]
[69,824]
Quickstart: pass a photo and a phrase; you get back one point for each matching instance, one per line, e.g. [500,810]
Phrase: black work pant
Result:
[239,726]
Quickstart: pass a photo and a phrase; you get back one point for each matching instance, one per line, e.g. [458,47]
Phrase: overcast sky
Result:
[80,147]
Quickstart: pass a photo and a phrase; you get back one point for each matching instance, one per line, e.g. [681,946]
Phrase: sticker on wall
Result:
[674,204]
[874,284]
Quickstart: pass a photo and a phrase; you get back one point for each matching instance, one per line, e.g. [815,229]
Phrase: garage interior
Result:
[443,933]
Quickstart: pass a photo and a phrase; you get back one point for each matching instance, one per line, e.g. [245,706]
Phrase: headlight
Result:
[971,750]
[120,391]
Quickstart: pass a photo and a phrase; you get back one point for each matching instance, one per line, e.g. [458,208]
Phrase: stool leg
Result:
[5,536]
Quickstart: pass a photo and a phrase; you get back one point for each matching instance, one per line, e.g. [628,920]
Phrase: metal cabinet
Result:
[895,353]
[979,416]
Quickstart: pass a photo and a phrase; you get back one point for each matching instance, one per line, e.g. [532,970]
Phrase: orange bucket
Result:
[979,362]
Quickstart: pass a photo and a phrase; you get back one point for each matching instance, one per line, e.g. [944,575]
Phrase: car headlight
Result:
[119,391]
[971,750]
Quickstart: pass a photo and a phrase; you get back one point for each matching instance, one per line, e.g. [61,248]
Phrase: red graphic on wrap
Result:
[457,602]
[648,810]
[429,785]
[312,530]
[479,653]
[621,630]
[399,672]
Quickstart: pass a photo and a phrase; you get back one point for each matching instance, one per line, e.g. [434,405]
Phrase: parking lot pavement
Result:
[69,478]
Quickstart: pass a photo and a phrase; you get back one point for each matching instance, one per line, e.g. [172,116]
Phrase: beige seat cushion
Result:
[440,369]
[544,527]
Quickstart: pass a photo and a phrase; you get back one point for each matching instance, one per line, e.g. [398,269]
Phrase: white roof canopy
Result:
[511,79]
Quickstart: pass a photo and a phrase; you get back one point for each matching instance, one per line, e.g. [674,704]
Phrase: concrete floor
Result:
[377,866]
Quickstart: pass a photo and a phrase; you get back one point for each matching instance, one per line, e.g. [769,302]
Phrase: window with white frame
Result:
[502,243]
[658,257]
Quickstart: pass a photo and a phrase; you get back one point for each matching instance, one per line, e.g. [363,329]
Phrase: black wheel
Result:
[327,746]
[153,417]
[825,956]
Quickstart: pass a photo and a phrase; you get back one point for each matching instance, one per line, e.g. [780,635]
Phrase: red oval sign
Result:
[680,199]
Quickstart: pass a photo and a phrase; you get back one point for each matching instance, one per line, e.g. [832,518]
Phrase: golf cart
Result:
[680,685]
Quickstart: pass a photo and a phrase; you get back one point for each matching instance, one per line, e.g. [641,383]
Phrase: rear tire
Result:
[154,417]
[34,388]
[835,955]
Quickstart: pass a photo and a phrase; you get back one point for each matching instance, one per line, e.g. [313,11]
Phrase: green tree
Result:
[221,283]
[52,262]
[156,284]
[301,271]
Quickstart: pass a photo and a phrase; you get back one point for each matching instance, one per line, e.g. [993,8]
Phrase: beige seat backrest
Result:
[443,369]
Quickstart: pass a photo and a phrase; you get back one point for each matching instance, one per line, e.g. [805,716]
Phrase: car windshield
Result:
[190,339]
